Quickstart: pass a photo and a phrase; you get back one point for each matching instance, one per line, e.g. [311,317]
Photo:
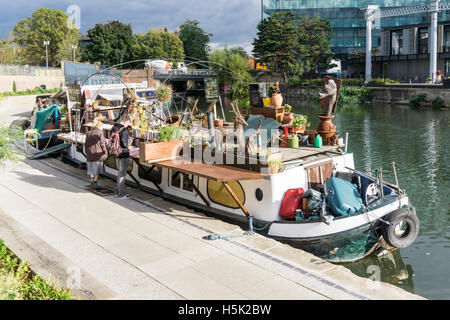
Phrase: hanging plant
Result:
[164,93]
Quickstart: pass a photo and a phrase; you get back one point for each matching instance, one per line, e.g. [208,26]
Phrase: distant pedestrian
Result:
[121,150]
[96,152]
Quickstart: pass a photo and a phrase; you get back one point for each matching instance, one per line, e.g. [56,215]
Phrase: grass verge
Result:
[19,282]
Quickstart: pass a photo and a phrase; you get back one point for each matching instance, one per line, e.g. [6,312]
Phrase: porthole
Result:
[259,194]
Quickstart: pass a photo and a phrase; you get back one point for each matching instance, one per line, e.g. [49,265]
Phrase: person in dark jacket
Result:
[124,157]
[96,152]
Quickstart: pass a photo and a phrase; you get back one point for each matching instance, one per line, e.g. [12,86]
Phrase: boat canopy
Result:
[43,115]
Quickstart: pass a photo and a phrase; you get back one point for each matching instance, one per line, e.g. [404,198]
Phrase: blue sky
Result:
[232,22]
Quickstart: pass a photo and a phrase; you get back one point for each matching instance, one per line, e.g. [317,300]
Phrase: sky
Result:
[232,22]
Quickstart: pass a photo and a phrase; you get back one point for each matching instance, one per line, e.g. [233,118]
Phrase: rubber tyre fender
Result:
[411,231]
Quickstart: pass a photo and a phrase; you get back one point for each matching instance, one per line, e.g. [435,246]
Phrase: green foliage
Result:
[355,95]
[158,44]
[37,90]
[417,100]
[275,163]
[110,43]
[14,87]
[8,136]
[301,121]
[46,25]
[277,40]
[195,40]
[383,81]
[233,69]
[10,52]
[294,45]
[314,49]
[438,103]
[169,133]
[287,108]
[18,282]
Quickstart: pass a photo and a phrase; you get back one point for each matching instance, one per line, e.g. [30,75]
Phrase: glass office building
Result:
[348,23]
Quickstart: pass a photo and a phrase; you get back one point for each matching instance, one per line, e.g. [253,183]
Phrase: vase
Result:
[288,118]
[274,169]
[277,100]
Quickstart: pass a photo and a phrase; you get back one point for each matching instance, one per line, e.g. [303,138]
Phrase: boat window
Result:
[181,180]
[175,179]
[218,194]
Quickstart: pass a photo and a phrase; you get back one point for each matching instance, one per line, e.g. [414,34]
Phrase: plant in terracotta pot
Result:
[277,99]
[288,115]
[300,123]
[274,166]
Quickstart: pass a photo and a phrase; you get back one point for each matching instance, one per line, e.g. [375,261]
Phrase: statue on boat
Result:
[328,101]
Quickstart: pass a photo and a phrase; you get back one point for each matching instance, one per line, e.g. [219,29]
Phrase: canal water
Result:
[417,140]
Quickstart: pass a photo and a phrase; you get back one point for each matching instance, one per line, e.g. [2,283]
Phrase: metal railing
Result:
[26,70]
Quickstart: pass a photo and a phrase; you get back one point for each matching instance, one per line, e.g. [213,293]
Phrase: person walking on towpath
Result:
[96,152]
[119,146]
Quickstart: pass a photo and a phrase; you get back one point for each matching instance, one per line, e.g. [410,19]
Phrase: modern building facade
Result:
[393,38]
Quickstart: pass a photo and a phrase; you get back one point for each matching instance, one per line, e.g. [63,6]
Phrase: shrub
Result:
[438,103]
[417,100]
[355,95]
[14,86]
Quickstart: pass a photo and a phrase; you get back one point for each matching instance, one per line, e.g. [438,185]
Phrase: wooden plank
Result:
[288,154]
[236,199]
[216,172]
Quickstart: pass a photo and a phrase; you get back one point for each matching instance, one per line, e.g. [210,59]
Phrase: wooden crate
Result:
[158,151]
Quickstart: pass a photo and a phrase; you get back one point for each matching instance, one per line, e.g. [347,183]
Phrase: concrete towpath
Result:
[148,248]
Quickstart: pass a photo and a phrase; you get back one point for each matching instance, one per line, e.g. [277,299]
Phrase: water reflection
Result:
[389,268]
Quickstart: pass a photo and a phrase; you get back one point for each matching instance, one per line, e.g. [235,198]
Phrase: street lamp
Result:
[74,47]
[46,43]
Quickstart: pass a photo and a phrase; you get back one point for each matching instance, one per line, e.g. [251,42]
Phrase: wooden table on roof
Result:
[269,112]
[221,173]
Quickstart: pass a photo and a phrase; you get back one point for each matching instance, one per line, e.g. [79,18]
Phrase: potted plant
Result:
[274,166]
[277,99]
[288,115]
[300,124]
[166,148]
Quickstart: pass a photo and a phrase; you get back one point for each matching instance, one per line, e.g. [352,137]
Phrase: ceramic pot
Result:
[277,100]
[274,169]
[326,128]
[288,118]
[301,129]
[218,123]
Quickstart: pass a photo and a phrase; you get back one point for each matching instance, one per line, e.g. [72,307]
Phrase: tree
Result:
[234,70]
[158,44]
[110,43]
[10,52]
[314,49]
[46,25]
[195,40]
[293,44]
[277,40]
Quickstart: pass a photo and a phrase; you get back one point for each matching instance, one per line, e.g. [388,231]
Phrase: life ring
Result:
[403,228]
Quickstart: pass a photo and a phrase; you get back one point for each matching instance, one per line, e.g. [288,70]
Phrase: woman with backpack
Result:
[119,144]
[96,152]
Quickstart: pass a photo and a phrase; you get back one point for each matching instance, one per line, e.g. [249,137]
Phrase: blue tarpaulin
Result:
[43,115]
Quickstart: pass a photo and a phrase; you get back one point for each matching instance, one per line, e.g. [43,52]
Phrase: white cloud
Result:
[232,22]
